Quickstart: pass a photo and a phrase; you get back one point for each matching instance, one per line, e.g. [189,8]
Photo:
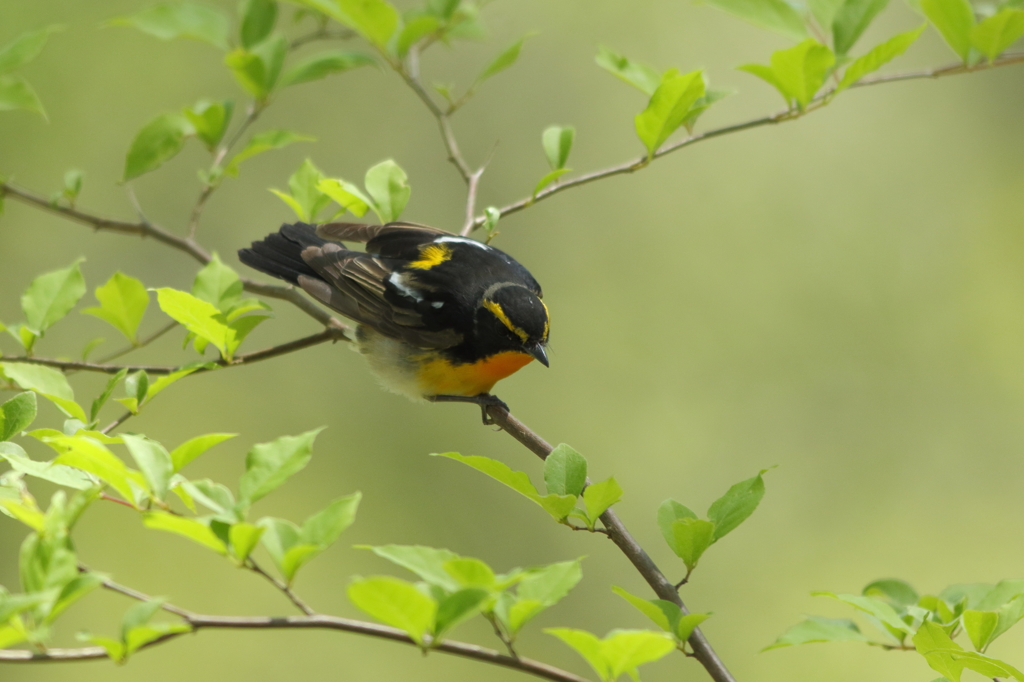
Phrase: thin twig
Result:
[141,344]
[787,115]
[474,182]
[283,587]
[328,334]
[626,543]
[117,422]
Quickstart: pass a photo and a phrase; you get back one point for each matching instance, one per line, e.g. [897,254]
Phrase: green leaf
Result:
[387,184]
[24,48]
[557,142]
[980,626]
[873,607]
[621,651]
[168,21]
[305,199]
[74,590]
[16,93]
[396,603]
[217,284]
[504,60]
[549,584]
[323,65]
[470,572]
[817,629]
[414,31]
[599,496]
[210,120]
[262,142]
[166,380]
[774,15]
[258,18]
[153,461]
[801,69]
[158,142]
[186,527]
[257,69]
[636,74]
[653,609]
[457,607]
[347,195]
[704,103]
[73,184]
[197,316]
[549,178]
[48,383]
[426,562]
[668,107]
[376,20]
[878,56]
[16,415]
[565,471]
[192,448]
[898,592]
[281,540]
[689,539]
[688,623]
[738,503]
[824,11]
[558,506]
[47,471]
[324,527]
[586,645]
[123,302]
[669,512]
[51,296]
[269,465]
[90,456]
[851,20]
[996,33]
[243,537]
[954,19]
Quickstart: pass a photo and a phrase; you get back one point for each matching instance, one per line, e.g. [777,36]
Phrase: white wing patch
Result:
[463,240]
[399,283]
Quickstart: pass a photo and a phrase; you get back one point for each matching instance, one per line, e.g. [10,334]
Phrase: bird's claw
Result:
[484,400]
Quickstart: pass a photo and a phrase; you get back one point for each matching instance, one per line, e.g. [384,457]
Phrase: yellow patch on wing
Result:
[439,376]
[431,255]
[499,313]
[547,317]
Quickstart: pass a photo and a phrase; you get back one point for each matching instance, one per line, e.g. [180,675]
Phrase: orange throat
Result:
[441,377]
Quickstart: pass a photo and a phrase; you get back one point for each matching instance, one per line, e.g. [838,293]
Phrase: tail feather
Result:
[280,254]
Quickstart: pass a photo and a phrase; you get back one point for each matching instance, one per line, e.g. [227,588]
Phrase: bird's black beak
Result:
[537,350]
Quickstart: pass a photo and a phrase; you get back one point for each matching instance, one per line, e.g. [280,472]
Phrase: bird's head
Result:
[513,318]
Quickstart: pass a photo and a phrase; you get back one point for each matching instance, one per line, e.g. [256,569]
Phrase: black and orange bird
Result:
[440,317]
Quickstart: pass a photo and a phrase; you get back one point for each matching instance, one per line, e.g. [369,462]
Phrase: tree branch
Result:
[142,343]
[626,543]
[787,115]
[282,587]
[328,334]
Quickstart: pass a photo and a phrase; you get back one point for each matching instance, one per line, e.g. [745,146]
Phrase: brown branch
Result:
[141,344]
[474,182]
[626,543]
[114,424]
[787,115]
[329,334]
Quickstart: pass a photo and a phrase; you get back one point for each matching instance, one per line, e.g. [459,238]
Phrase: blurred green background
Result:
[842,296]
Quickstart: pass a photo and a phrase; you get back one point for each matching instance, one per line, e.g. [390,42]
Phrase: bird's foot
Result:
[484,400]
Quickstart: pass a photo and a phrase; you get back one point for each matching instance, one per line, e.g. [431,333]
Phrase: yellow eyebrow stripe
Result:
[500,314]
[431,255]
[547,316]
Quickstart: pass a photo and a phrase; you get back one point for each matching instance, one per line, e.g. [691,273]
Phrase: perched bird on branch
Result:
[441,317]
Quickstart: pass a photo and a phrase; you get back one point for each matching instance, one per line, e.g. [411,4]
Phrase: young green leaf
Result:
[711,95]
[548,179]
[323,65]
[738,503]
[549,584]
[851,20]
[873,607]
[47,471]
[168,21]
[636,74]
[258,18]
[376,20]
[92,457]
[954,19]
[324,527]
[51,296]
[156,143]
[878,56]
[662,616]
[671,511]
[557,142]
[123,302]
[824,11]
[197,316]
[426,562]
[257,69]
[668,108]
[24,48]
[688,623]
[17,414]
[347,195]
[16,93]
[980,626]
[599,496]
[387,184]
[154,462]
[414,31]
[504,60]
[801,69]
[269,465]
[689,538]
[817,629]
[774,15]
[263,142]
[217,284]
[396,603]
[186,527]
[306,199]
[72,184]
[470,572]
[621,651]
[210,120]
[898,592]
[48,383]
[996,33]
[457,607]
[243,538]
[565,471]
[192,448]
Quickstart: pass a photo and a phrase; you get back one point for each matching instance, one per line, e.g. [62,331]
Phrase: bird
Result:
[440,317]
